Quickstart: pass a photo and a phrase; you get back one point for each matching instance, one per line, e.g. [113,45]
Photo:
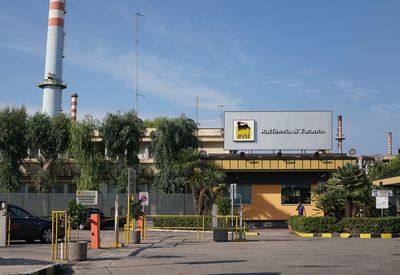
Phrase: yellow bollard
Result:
[203,228]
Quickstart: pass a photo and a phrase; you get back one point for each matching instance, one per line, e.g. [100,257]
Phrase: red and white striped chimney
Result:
[74,103]
[52,83]
[389,144]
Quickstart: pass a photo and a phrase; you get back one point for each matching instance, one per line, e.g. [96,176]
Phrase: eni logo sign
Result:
[243,130]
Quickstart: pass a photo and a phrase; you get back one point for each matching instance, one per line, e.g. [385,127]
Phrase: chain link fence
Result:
[42,204]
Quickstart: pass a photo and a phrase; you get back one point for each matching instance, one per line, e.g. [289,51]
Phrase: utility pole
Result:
[138,14]
[221,115]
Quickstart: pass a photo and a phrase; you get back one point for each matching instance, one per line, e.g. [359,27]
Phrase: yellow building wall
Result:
[266,204]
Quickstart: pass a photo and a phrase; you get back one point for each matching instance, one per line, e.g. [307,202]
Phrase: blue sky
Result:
[247,55]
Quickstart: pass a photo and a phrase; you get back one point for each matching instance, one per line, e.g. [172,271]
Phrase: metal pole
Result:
[240,219]
[232,215]
[222,121]
[137,68]
[128,214]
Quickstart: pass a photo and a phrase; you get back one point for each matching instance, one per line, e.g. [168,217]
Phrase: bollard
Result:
[95,231]
[141,226]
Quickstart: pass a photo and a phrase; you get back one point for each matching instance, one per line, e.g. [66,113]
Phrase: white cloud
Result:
[352,89]
[168,79]
[310,71]
[387,110]
[293,84]
[21,47]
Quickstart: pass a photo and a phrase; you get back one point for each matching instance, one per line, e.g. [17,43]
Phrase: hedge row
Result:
[183,222]
[346,225]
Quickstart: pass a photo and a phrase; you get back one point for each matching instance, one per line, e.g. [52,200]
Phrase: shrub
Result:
[224,206]
[371,225]
[183,222]
[188,223]
[313,224]
[347,225]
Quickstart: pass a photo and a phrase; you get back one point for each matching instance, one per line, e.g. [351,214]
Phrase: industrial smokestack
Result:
[340,137]
[52,84]
[389,144]
[74,103]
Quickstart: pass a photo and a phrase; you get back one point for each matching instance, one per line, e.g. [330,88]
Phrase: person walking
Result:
[301,210]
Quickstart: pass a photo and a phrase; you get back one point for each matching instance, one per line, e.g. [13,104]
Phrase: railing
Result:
[60,221]
[190,223]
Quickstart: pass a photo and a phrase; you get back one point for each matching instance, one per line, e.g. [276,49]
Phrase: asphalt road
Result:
[273,252]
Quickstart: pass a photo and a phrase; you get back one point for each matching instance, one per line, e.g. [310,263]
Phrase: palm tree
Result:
[329,199]
[353,181]
[199,177]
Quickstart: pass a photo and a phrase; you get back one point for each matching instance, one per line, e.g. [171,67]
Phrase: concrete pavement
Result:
[272,252]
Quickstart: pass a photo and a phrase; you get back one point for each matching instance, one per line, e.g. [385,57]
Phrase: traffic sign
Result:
[382,193]
[144,198]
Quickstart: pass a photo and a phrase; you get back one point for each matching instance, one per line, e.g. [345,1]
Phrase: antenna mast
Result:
[138,14]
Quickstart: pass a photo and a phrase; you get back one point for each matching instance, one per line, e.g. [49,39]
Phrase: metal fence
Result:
[42,204]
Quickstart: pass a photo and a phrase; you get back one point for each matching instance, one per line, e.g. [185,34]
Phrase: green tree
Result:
[84,146]
[200,178]
[329,199]
[13,146]
[376,171]
[153,123]
[122,134]
[171,136]
[353,182]
[50,136]
[392,168]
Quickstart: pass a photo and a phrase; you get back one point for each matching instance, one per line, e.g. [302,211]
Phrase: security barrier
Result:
[60,226]
[197,223]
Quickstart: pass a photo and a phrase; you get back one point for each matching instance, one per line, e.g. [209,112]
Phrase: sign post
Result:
[233,188]
[382,199]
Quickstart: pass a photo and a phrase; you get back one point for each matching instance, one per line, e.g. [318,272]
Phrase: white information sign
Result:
[382,193]
[144,197]
[382,202]
[86,197]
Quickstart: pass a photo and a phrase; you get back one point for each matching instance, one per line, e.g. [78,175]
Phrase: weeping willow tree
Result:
[122,133]
[84,149]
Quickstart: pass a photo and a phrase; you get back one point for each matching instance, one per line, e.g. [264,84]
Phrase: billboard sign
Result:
[300,130]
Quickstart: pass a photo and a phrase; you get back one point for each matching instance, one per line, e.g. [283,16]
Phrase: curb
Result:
[349,235]
[48,270]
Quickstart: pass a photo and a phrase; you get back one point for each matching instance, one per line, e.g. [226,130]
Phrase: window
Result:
[245,191]
[18,212]
[294,193]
